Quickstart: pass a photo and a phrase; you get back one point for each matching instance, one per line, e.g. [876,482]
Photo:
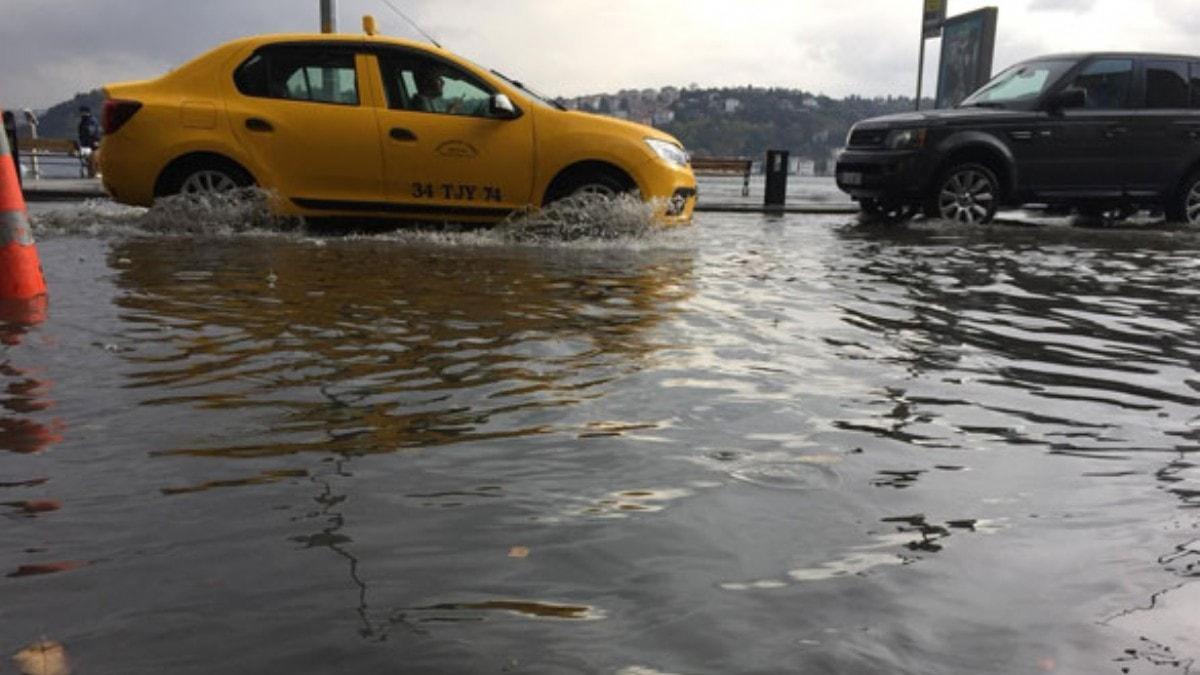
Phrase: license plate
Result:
[850,178]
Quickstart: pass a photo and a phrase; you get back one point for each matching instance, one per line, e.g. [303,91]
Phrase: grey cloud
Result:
[1076,6]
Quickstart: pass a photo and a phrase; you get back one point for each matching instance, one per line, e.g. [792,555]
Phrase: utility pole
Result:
[932,19]
[328,16]
[920,67]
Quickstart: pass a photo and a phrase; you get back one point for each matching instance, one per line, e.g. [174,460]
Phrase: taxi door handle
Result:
[399,134]
[258,124]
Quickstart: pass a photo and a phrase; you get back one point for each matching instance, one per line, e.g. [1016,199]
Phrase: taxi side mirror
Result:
[501,107]
[1071,97]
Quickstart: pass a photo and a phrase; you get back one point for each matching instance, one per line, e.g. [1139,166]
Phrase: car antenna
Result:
[412,23]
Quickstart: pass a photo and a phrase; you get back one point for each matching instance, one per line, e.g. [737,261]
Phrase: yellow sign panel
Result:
[935,16]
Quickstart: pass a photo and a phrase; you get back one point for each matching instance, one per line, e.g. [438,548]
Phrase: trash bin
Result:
[776,170]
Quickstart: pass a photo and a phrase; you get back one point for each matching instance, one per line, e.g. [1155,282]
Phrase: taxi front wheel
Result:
[597,183]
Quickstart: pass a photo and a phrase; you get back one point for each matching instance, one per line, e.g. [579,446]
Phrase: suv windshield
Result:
[1019,86]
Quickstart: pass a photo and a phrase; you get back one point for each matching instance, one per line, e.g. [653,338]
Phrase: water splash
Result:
[582,217]
[222,214]
[585,221]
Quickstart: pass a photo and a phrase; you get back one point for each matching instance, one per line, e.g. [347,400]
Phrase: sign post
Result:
[931,27]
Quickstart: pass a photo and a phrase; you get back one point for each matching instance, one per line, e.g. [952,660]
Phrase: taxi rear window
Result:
[300,74]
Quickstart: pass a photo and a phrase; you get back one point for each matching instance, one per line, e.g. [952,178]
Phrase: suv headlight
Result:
[906,139]
[669,152]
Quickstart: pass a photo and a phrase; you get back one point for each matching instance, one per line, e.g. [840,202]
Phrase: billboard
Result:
[935,15]
[968,42]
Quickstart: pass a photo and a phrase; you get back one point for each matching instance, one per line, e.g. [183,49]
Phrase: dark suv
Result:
[1103,133]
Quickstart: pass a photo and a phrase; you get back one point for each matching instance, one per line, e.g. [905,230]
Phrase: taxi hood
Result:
[622,127]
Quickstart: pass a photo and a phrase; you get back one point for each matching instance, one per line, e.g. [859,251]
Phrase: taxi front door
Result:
[446,156]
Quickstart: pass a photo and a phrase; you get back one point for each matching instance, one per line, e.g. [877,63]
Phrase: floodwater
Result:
[756,445]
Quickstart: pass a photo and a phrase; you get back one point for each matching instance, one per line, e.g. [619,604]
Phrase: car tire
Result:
[598,183]
[888,212]
[1185,208]
[210,177]
[967,194]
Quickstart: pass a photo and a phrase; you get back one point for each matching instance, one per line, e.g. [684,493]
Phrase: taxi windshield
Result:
[539,98]
[1020,86]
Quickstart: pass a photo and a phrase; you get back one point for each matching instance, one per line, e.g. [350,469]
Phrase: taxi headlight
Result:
[906,139]
[669,152]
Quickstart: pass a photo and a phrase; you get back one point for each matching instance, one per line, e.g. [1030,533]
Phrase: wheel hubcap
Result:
[207,182]
[968,197]
[1192,206]
[596,189]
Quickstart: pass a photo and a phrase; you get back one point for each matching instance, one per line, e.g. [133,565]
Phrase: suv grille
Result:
[868,138]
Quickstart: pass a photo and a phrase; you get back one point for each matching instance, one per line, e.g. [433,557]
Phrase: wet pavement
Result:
[757,445]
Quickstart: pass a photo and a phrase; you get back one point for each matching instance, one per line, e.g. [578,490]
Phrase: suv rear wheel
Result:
[1186,208]
[966,194]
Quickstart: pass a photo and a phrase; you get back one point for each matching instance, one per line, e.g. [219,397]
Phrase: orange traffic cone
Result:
[20,270]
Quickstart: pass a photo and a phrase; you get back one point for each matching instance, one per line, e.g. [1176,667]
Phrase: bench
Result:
[725,166]
[38,150]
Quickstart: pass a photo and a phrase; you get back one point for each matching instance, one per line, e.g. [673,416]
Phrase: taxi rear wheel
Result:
[209,175]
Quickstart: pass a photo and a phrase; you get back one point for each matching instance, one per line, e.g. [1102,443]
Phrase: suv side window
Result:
[1196,84]
[423,84]
[1107,83]
[1167,84]
[300,74]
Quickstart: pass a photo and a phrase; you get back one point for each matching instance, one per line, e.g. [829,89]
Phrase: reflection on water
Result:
[384,363]
[756,445]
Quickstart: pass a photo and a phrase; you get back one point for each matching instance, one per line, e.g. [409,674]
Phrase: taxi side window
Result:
[1107,83]
[300,74]
[1167,85]
[427,85]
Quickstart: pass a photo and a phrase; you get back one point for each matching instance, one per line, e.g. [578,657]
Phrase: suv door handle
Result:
[259,124]
[400,134]
[1116,130]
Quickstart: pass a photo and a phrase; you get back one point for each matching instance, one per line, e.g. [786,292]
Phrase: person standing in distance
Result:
[89,138]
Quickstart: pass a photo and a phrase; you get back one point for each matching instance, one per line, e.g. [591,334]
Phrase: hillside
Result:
[746,121]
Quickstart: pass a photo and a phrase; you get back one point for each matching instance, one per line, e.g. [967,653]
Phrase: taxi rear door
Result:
[303,114]
[448,155]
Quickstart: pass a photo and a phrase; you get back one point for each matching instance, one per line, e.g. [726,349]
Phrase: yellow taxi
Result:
[368,125]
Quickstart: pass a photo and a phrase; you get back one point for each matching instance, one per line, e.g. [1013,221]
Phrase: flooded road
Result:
[757,445]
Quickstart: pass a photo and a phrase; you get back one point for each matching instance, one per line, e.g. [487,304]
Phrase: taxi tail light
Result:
[116,113]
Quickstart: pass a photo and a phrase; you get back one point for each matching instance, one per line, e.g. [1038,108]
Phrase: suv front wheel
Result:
[1186,208]
[966,194]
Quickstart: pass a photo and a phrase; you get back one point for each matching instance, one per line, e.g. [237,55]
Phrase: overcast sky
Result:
[54,48]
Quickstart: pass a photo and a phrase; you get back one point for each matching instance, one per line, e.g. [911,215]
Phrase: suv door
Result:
[1163,136]
[445,151]
[1082,151]
[299,111]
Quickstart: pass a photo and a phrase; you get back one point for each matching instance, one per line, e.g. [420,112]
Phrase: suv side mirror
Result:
[1071,97]
[501,107]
